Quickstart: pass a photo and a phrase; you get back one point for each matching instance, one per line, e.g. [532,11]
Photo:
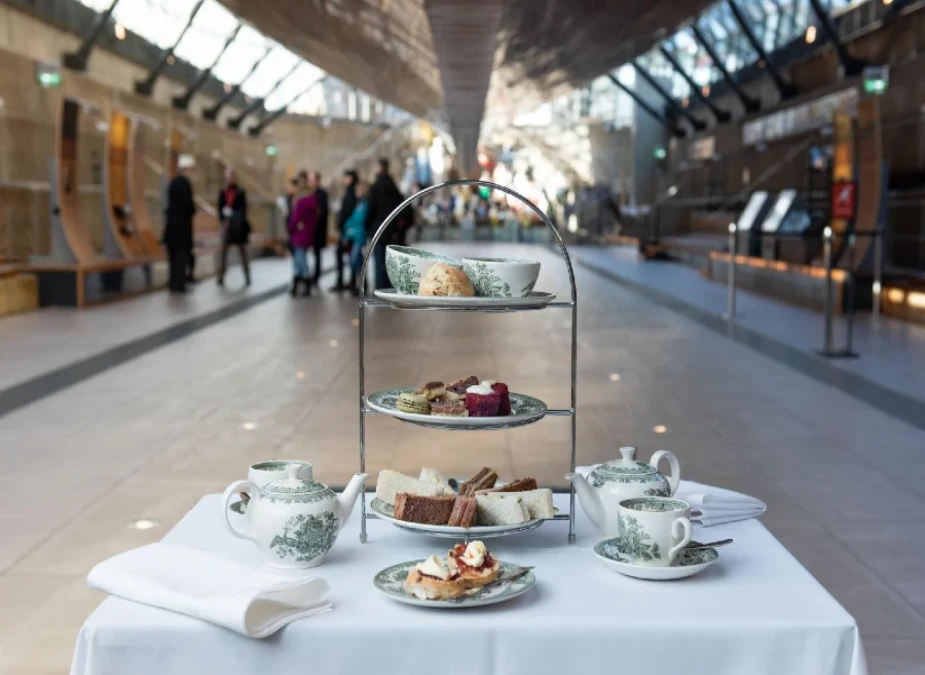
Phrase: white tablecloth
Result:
[755,612]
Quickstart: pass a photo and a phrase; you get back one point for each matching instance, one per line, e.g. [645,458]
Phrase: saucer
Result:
[686,564]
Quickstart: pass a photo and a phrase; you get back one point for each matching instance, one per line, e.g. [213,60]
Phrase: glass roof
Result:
[775,23]
[263,67]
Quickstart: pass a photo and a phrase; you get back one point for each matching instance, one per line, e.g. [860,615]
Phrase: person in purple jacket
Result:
[302,226]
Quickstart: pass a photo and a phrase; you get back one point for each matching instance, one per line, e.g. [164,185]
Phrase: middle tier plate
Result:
[387,512]
[524,410]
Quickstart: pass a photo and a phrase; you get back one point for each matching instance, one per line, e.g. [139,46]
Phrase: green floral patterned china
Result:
[611,552]
[391,582]
[533,300]
[294,521]
[406,266]
[653,530]
[386,512]
[524,410]
[612,482]
[501,277]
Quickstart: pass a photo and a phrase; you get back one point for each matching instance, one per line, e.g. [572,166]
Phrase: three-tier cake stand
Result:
[572,304]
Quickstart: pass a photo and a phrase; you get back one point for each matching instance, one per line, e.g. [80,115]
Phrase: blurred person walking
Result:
[344,248]
[355,238]
[178,223]
[385,197]
[321,230]
[302,226]
[236,230]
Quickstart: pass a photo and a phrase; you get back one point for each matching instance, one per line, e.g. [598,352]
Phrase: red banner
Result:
[843,200]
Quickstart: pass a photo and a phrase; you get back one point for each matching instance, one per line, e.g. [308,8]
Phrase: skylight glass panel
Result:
[206,37]
[303,77]
[158,21]
[271,70]
[248,47]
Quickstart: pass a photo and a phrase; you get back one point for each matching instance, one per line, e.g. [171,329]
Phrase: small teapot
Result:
[294,520]
[612,482]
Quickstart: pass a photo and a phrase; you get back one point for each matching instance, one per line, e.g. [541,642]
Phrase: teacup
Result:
[262,474]
[501,277]
[406,266]
[653,530]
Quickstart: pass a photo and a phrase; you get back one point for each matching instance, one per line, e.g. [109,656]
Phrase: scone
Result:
[474,563]
[410,402]
[446,281]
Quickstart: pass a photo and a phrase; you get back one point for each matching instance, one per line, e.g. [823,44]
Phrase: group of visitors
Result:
[234,228]
[363,209]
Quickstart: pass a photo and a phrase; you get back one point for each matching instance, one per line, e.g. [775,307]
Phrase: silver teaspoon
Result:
[712,544]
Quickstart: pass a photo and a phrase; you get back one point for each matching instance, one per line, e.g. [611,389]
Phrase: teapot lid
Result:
[627,465]
[293,485]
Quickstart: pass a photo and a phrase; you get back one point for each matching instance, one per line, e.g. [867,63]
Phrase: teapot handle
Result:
[230,492]
[675,478]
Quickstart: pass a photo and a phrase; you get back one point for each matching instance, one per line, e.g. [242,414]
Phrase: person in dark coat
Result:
[178,223]
[345,247]
[321,230]
[236,230]
[385,197]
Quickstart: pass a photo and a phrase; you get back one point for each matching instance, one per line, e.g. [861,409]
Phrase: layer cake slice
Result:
[464,512]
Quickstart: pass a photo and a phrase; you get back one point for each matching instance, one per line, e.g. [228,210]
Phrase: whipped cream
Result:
[434,567]
[474,555]
[489,383]
[481,389]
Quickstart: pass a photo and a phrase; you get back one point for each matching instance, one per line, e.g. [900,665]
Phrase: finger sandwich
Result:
[500,509]
[390,483]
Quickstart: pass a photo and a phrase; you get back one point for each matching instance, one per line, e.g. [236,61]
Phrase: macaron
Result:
[410,402]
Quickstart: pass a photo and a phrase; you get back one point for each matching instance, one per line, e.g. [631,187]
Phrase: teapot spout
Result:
[347,498]
[590,500]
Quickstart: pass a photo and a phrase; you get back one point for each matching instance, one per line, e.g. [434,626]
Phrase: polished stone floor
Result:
[845,482]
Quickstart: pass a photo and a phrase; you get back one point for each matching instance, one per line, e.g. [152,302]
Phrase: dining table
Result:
[755,611]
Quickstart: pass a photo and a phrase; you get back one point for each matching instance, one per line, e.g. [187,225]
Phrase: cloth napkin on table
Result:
[710,505]
[205,586]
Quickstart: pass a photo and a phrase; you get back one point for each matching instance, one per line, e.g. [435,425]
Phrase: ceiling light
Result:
[887,2]
[144,524]
[615,377]
[355,323]
[916,299]
[332,344]
[300,375]
[810,35]
[119,31]
[659,428]
[249,426]
[895,295]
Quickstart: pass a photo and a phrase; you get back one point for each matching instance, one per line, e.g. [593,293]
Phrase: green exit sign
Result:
[876,80]
[48,75]
[660,153]
[271,150]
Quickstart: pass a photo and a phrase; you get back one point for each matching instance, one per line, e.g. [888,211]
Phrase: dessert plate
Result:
[387,512]
[686,564]
[533,300]
[524,410]
[391,582]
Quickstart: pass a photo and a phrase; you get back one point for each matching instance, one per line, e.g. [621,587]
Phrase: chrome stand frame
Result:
[364,303]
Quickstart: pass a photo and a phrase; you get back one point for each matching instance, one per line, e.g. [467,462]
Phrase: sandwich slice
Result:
[500,509]
[431,476]
[519,485]
[483,480]
[538,502]
[390,483]
[464,512]
[425,510]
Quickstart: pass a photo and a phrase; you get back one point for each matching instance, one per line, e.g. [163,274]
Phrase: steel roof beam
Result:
[276,114]
[698,124]
[235,122]
[850,65]
[720,114]
[78,60]
[664,121]
[146,87]
[750,103]
[182,102]
[212,113]
[786,89]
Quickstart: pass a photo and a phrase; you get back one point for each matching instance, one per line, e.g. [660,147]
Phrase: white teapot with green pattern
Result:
[610,483]
[295,520]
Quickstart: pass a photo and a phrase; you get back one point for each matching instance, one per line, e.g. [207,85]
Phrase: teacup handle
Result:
[230,492]
[675,478]
[685,524]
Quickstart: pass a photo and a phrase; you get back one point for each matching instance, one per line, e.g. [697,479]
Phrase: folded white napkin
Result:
[252,602]
[710,505]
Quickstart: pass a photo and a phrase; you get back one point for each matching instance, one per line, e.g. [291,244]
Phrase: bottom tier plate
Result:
[391,581]
[387,512]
